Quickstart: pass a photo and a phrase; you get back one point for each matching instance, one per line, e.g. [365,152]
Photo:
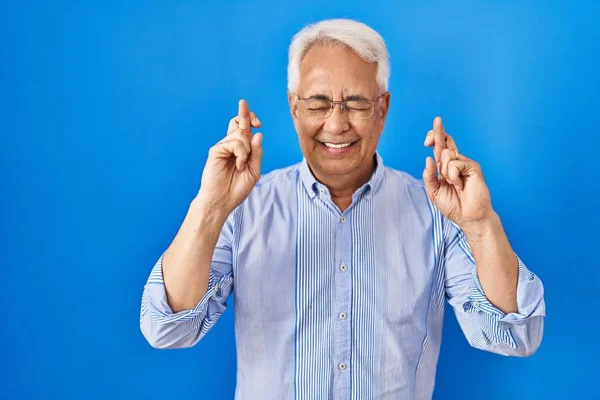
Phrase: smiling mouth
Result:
[337,145]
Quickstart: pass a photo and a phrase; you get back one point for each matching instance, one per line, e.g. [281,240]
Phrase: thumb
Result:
[432,184]
[256,153]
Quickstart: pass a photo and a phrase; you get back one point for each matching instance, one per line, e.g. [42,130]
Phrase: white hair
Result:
[360,38]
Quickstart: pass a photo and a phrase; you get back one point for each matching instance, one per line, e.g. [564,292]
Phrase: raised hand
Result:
[233,165]
[460,191]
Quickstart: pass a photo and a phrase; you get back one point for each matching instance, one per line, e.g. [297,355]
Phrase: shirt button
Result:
[343,219]
[322,190]
[342,315]
[342,366]
[476,303]
[343,267]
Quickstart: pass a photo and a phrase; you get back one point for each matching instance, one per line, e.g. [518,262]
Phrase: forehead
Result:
[330,69]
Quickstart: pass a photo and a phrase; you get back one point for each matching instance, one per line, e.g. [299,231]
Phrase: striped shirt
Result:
[332,305]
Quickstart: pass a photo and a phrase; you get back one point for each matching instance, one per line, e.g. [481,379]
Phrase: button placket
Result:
[343,306]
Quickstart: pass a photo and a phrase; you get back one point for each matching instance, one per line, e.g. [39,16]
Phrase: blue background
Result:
[108,111]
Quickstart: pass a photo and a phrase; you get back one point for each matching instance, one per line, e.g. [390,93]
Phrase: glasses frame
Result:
[343,105]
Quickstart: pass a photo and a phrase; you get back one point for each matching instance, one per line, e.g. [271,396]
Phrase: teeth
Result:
[337,146]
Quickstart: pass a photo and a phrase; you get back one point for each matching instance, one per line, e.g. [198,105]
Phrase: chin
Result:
[337,166]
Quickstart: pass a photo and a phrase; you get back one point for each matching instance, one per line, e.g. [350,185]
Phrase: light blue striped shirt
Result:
[332,305]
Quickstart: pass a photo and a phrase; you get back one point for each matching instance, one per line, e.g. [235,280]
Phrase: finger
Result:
[255,158]
[227,149]
[439,137]
[432,184]
[447,156]
[233,125]
[454,174]
[254,121]
[243,115]
[429,138]
[238,135]
[450,143]
[236,148]
[466,167]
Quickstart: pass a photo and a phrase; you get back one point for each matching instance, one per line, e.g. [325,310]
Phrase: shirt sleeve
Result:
[485,326]
[164,329]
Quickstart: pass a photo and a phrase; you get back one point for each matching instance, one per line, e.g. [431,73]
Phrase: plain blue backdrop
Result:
[108,111]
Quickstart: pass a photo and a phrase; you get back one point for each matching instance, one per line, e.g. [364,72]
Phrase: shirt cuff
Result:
[154,298]
[497,324]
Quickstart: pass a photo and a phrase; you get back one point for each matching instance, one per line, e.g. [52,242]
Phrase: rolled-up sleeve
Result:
[485,326]
[164,329]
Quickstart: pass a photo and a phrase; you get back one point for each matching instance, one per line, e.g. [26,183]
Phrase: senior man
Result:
[340,266]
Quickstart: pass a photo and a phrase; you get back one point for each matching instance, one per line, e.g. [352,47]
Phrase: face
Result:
[337,73]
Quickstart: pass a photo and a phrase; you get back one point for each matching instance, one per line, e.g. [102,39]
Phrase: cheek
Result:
[368,132]
[307,132]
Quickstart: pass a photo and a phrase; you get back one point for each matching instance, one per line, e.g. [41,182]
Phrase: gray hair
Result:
[360,38]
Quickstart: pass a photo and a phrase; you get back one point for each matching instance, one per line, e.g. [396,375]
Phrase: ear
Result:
[293,109]
[385,106]
[293,105]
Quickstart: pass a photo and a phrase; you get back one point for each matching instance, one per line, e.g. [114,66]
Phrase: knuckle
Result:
[237,135]
[240,145]
[234,135]
[241,136]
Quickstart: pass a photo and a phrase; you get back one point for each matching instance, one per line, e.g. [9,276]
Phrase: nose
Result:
[337,122]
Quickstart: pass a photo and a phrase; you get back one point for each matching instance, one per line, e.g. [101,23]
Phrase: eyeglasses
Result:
[321,108]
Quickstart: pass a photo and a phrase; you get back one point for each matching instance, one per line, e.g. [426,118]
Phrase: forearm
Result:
[186,263]
[496,262]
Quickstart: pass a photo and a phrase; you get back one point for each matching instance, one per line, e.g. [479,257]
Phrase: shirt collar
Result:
[312,186]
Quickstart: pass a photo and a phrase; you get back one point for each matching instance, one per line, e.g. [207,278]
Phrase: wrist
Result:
[207,213]
[483,227]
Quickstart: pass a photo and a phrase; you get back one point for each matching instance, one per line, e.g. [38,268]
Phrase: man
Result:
[340,266]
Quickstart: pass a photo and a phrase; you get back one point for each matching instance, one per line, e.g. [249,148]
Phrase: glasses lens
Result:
[318,108]
[359,109]
[322,108]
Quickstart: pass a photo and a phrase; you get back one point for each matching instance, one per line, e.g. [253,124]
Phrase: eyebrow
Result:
[319,97]
[351,97]
[355,97]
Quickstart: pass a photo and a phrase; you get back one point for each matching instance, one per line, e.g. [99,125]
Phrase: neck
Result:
[341,188]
